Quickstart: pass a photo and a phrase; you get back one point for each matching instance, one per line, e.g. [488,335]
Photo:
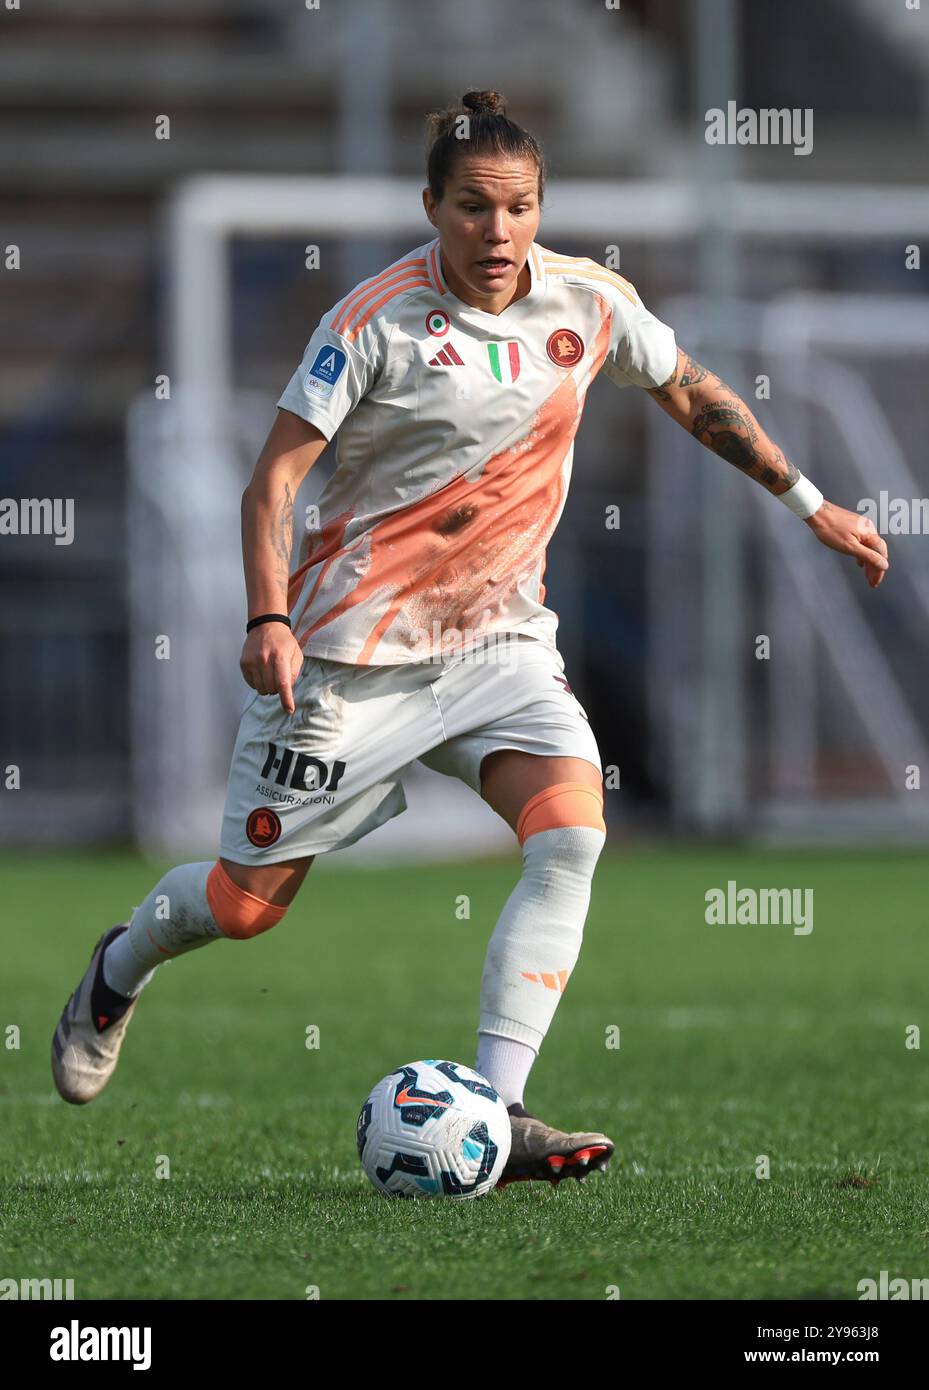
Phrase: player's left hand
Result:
[852,534]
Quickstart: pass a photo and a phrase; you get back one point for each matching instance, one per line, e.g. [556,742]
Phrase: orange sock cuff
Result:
[565,804]
[238,914]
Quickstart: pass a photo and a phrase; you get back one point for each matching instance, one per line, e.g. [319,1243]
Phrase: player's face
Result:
[487,220]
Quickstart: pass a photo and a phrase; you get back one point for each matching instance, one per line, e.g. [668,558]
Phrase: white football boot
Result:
[85,1047]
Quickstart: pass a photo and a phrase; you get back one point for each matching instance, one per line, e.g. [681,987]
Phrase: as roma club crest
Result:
[564,347]
[263,827]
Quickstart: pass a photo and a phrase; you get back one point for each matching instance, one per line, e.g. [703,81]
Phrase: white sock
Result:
[538,936]
[121,969]
[506,1065]
[173,919]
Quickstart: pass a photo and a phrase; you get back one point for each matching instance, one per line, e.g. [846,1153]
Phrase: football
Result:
[433,1129]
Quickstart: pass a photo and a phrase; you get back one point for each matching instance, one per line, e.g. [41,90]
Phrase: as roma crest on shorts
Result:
[263,827]
[565,347]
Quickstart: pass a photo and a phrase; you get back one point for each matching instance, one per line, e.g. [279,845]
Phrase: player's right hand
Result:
[851,533]
[270,662]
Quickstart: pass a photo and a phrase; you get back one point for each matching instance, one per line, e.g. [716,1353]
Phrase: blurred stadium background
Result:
[186,257]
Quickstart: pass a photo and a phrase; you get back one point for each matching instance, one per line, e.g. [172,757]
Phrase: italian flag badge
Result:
[504,361]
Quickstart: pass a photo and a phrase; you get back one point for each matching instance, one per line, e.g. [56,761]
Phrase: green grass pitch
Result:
[735,1042]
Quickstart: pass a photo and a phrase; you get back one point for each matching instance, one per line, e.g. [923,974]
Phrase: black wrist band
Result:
[267,618]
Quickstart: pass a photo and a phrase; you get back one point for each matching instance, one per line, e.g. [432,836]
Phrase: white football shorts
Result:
[325,776]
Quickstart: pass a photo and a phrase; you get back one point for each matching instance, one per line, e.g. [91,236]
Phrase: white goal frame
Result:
[192,473]
[205,213]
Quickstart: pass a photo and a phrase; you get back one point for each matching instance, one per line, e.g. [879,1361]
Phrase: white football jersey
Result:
[455,440]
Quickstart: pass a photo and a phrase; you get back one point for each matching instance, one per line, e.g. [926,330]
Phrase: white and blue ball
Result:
[434,1129]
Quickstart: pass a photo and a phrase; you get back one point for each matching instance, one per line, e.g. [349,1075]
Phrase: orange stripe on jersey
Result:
[555,258]
[410,279]
[441,558]
[435,268]
[582,265]
[328,545]
[623,286]
[379,304]
[366,286]
[371,288]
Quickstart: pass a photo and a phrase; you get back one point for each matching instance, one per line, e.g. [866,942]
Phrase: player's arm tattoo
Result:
[693,373]
[690,373]
[726,425]
[282,534]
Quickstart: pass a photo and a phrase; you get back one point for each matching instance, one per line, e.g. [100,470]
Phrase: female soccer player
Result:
[414,625]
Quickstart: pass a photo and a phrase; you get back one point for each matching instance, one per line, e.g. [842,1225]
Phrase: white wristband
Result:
[803,499]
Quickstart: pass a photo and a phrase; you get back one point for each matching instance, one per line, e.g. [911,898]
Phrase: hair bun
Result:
[451,136]
[485,103]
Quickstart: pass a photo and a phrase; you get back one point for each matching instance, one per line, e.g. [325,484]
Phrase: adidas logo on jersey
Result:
[447,357]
